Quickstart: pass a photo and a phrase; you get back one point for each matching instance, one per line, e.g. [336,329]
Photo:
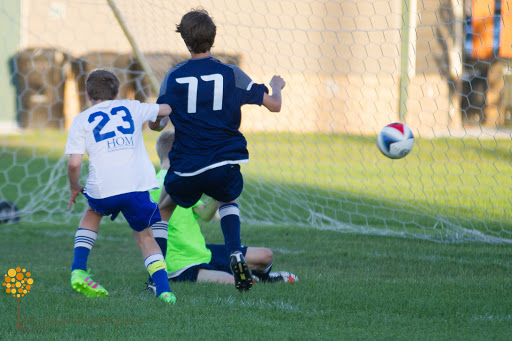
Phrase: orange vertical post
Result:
[483,28]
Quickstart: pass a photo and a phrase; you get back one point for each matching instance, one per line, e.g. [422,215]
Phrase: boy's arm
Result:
[206,211]
[164,110]
[273,102]
[74,167]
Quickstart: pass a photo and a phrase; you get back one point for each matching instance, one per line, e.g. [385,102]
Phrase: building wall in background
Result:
[341,59]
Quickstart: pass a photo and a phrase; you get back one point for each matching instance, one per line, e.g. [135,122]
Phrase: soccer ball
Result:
[395,140]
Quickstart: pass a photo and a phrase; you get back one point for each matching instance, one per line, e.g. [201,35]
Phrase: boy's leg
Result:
[230,225]
[141,213]
[219,269]
[215,276]
[154,262]
[166,207]
[85,237]
[159,230]
[259,260]
[225,184]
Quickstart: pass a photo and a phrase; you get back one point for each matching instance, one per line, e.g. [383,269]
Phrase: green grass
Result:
[301,191]
[351,286]
[447,188]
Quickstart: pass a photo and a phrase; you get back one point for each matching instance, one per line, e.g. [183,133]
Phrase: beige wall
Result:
[340,58]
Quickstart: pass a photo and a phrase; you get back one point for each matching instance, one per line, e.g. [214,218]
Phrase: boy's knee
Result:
[267,256]
[259,258]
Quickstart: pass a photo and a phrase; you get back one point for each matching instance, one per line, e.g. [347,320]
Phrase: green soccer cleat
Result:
[82,282]
[167,297]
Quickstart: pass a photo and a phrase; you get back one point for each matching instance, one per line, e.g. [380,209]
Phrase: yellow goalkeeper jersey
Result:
[186,245]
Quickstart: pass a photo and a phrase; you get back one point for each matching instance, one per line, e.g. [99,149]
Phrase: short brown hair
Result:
[164,144]
[102,85]
[197,30]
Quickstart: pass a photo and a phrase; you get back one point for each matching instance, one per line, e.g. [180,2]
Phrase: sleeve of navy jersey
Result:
[206,97]
[251,93]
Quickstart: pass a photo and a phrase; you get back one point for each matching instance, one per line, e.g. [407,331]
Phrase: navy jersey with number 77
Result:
[206,97]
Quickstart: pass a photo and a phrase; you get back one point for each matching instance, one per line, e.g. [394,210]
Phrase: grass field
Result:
[351,287]
[447,188]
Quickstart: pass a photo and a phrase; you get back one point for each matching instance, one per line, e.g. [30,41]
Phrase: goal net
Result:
[351,67]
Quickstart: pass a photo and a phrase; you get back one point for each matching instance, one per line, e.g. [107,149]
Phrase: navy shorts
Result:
[219,262]
[224,183]
[137,207]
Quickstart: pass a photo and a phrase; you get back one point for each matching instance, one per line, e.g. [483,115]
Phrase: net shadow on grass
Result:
[36,182]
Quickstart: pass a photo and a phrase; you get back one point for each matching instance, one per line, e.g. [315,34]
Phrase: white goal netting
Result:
[351,67]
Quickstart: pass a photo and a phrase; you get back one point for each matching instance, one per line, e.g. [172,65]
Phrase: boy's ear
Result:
[88,97]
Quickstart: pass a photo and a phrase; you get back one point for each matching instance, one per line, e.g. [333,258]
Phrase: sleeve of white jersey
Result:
[76,138]
[149,111]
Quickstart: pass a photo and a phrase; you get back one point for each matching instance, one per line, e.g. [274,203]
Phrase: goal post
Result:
[138,54]
[347,65]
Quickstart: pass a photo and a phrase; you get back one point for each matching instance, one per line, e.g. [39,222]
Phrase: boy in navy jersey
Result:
[206,97]
[189,258]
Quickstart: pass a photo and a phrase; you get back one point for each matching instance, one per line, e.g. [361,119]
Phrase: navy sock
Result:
[80,258]
[161,282]
[84,241]
[230,225]
[263,274]
[160,233]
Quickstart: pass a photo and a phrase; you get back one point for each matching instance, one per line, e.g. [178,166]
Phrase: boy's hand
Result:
[164,121]
[277,82]
[74,192]
[208,210]
[159,124]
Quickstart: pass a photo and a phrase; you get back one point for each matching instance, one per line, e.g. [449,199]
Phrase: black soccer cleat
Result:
[241,272]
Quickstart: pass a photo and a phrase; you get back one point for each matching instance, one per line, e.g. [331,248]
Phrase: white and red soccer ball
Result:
[395,140]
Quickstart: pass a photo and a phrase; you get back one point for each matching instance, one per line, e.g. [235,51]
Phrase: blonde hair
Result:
[164,144]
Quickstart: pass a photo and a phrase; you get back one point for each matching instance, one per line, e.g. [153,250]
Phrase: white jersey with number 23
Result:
[111,133]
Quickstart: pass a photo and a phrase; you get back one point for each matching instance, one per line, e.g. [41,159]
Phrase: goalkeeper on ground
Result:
[187,255]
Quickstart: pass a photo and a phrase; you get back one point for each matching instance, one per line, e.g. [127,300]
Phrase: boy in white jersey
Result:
[187,256]
[120,175]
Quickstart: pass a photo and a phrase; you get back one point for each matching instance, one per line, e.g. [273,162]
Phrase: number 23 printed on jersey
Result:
[103,118]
